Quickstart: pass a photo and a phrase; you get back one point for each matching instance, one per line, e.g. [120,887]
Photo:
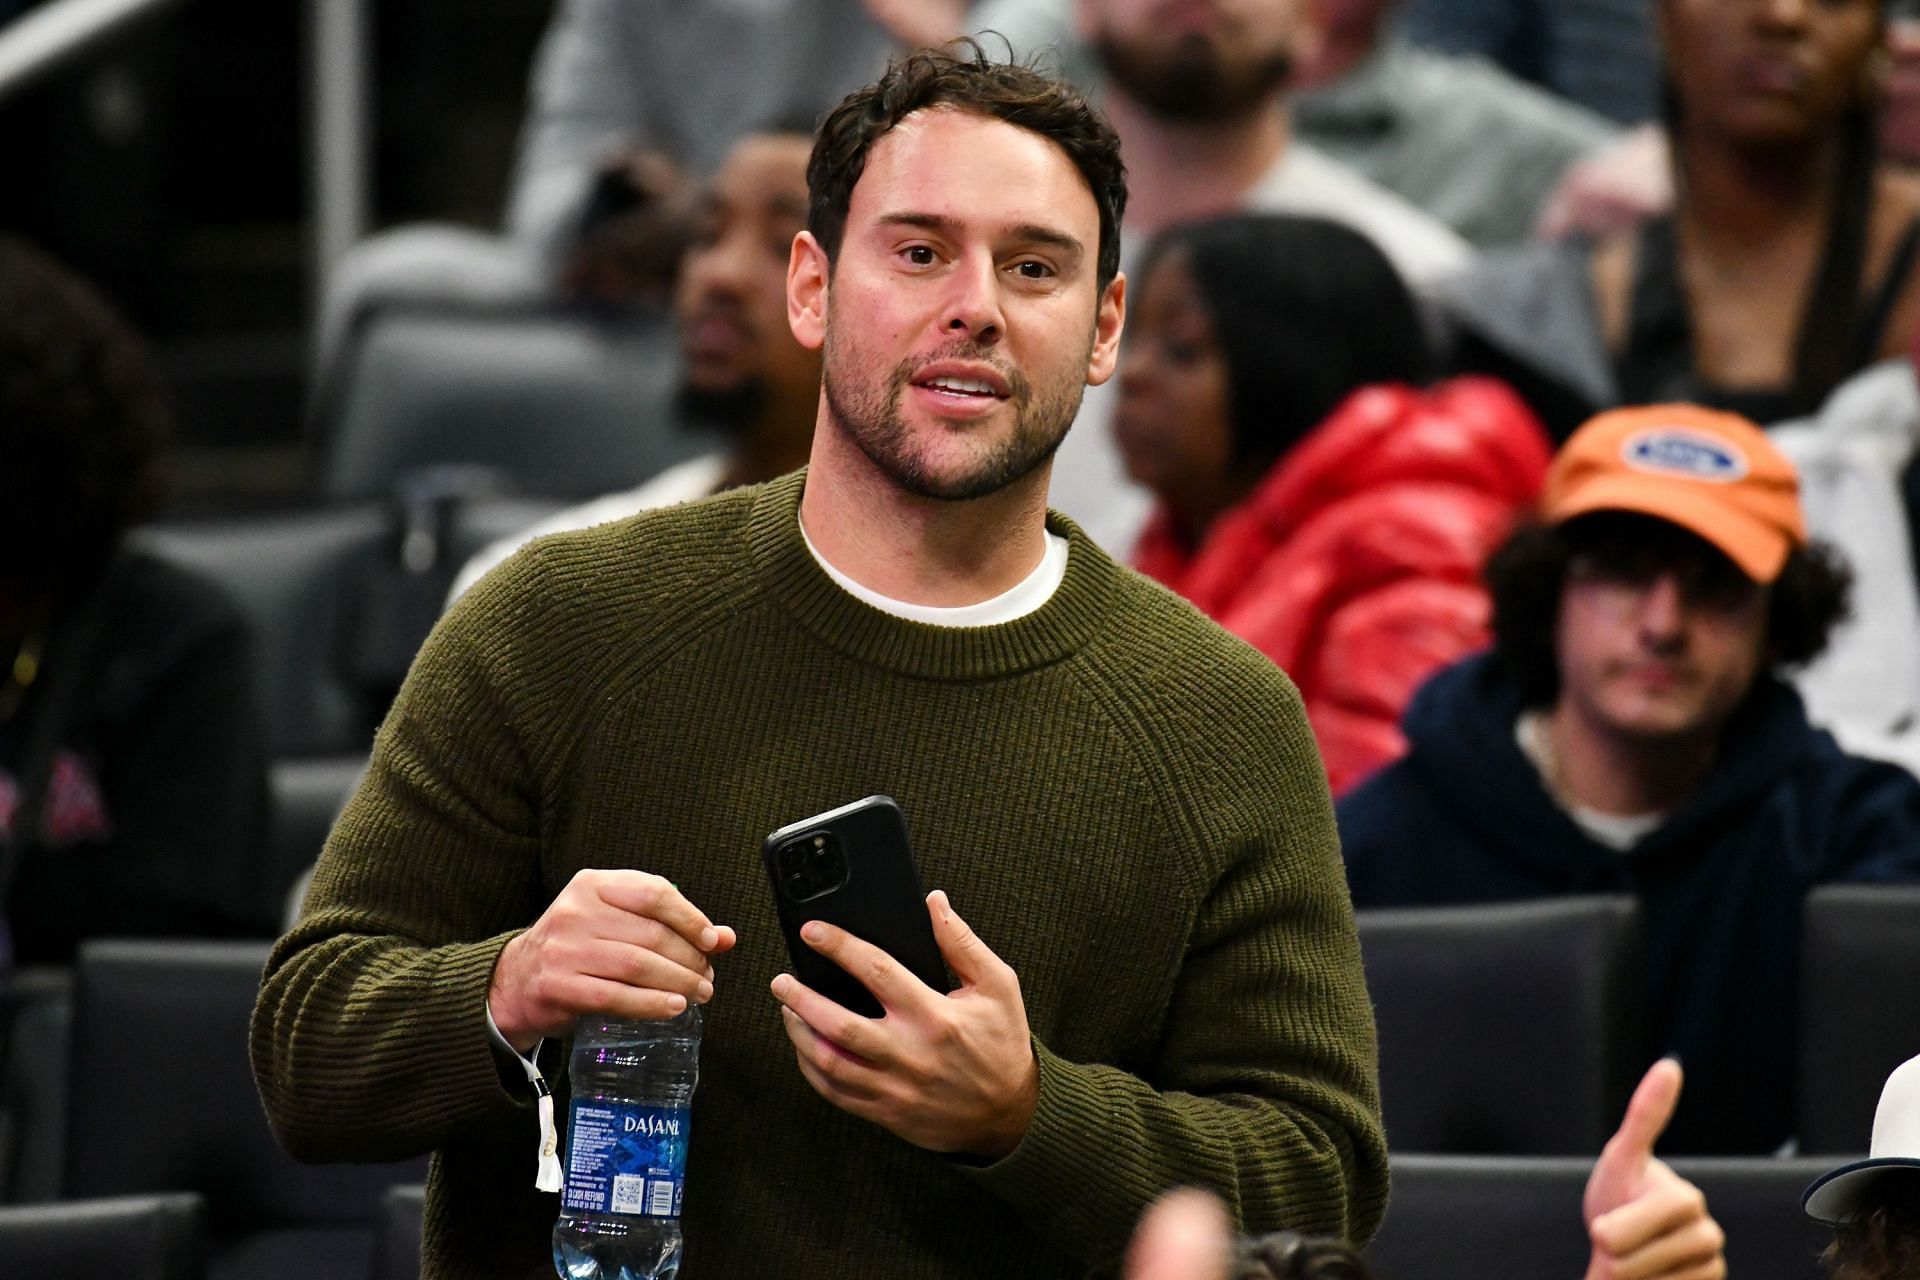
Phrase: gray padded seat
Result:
[396,1250]
[36,1014]
[161,1237]
[1505,1029]
[308,795]
[561,402]
[299,579]
[163,1098]
[1471,1217]
[1859,1006]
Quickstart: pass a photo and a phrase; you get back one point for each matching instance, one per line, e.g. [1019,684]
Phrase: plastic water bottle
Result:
[627,1148]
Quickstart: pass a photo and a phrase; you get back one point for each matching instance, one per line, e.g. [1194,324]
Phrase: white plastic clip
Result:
[548,1178]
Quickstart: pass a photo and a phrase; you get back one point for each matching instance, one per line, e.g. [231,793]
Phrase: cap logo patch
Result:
[1673,451]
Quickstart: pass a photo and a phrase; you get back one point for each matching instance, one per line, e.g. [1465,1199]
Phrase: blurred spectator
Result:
[1772,115]
[1456,136]
[629,101]
[1341,534]
[131,781]
[1643,1220]
[745,373]
[1629,734]
[1198,95]
[1598,53]
[1851,457]
[1874,1204]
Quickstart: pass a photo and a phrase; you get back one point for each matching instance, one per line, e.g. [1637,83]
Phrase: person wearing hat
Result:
[1873,1205]
[1630,733]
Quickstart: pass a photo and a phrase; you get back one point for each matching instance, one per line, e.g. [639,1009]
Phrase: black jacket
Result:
[1464,817]
[156,818]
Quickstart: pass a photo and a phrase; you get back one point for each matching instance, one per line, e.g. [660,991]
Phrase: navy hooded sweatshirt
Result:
[1464,817]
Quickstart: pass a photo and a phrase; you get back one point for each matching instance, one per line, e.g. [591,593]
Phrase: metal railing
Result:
[45,39]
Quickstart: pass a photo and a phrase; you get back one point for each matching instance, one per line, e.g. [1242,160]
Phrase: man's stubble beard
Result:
[1189,81]
[872,418]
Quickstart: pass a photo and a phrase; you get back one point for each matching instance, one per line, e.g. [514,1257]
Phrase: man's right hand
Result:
[624,944]
[1645,1221]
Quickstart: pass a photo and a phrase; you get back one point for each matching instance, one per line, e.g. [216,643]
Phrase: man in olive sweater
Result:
[1158,981]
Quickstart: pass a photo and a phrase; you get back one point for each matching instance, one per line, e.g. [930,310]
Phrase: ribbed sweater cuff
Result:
[473,1079]
[1062,1162]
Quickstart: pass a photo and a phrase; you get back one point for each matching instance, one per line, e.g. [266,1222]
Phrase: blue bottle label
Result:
[624,1158]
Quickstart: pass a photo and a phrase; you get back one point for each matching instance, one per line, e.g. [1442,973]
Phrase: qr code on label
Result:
[629,1193]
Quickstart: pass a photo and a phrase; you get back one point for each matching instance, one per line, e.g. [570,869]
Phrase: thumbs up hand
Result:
[1645,1221]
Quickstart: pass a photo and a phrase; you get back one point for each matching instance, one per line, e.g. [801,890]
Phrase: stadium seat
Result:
[299,578]
[162,1099]
[1471,1217]
[396,1251]
[36,1012]
[1505,1029]
[561,402]
[159,1237]
[1859,1007]
[308,795]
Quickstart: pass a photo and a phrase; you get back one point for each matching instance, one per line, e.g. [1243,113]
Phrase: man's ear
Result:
[808,275]
[1107,323]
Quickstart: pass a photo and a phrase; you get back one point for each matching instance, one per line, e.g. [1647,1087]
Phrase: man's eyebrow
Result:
[1025,232]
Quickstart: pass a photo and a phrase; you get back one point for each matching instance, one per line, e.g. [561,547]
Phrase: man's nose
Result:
[1789,15]
[1663,608]
[725,264]
[973,303]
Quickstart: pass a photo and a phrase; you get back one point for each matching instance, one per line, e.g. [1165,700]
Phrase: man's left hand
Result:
[947,1072]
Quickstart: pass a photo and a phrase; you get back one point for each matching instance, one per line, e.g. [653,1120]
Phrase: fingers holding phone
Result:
[621,943]
[947,1071]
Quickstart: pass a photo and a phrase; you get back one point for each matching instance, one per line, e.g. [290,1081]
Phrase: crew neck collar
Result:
[1063,625]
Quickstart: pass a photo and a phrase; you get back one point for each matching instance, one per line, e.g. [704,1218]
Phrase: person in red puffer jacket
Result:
[1313,498]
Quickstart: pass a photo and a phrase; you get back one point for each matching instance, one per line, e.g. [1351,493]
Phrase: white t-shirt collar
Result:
[1016,601]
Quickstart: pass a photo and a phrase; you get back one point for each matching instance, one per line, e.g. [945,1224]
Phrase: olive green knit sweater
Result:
[1123,801]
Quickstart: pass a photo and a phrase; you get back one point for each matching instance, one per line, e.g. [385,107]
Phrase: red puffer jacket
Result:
[1356,564]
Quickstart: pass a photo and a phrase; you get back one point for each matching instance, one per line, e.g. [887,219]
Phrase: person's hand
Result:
[1644,1220]
[1612,190]
[624,944]
[1184,1235]
[919,24]
[948,1072]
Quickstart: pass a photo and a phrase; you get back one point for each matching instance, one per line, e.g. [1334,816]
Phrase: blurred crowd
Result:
[1532,381]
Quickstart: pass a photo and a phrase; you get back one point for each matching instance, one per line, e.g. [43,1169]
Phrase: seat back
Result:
[299,578]
[562,402]
[1471,1217]
[158,1237]
[36,1014]
[1510,1028]
[1857,1022]
[396,1249]
[308,795]
[162,1095]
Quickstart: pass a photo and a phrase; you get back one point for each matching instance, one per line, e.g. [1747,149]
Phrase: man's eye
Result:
[920,255]
[1034,270]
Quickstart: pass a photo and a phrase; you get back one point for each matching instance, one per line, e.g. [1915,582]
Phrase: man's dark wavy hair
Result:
[1527,574]
[1882,1239]
[83,425]
[976,84]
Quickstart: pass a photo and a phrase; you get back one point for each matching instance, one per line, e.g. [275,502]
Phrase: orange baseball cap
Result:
[1715,474]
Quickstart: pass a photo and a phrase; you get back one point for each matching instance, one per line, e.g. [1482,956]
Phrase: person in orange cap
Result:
[1630,733]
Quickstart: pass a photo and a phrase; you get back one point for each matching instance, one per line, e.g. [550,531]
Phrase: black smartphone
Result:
[853,867]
